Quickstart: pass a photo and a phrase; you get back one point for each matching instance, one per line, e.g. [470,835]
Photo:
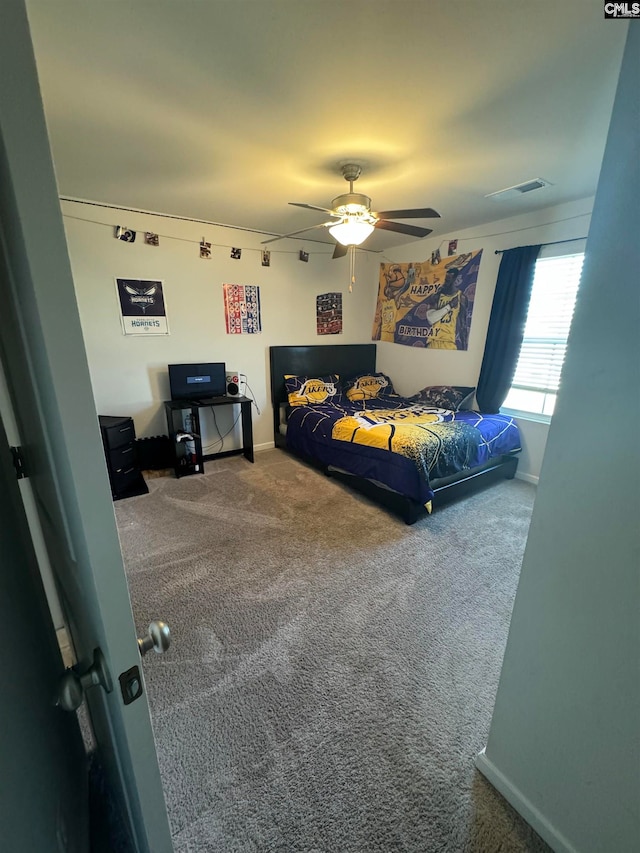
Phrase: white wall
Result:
[564,743]
[533,436]
[129,373]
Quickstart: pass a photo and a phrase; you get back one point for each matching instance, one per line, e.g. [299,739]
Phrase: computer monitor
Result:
[197,381]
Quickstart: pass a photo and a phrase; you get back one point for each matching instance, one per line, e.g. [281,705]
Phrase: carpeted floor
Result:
[332,671]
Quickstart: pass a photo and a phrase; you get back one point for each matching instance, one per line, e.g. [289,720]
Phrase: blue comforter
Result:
[399,444]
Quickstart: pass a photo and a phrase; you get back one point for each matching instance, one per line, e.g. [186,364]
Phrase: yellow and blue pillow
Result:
[313,390]
[368,386]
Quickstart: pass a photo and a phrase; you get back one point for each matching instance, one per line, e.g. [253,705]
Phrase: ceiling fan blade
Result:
[312,207]
[340,251]
[412,230]
[417,213]
[293,233]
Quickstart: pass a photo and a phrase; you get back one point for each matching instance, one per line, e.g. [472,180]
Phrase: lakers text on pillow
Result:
[368,386]
[313,390]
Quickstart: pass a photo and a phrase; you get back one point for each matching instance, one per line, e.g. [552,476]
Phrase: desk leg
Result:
[195,421]
[247,430]
[170,431]
[195,426]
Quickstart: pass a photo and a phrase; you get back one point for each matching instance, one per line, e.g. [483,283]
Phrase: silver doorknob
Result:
[73,683]
[158,638]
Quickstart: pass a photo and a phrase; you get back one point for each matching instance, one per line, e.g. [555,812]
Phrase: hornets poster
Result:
[427,305]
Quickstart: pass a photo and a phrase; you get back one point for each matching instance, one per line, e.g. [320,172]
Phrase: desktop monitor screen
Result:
[196,381]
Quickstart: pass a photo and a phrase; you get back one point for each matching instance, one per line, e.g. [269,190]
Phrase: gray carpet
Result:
[333,671]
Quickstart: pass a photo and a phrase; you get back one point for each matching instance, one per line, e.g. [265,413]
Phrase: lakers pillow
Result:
[456,398]
[368,386]
[313,390]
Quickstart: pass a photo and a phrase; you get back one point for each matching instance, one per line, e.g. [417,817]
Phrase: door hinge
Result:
[18,462]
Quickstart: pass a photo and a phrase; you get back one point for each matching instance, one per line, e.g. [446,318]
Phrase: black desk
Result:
[194,406]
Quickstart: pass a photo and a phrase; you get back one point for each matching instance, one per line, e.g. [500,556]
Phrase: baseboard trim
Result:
[546,830]
[268,445]
[529,478]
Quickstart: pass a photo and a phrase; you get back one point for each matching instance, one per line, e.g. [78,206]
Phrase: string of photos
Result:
[150,238]
[205,247]
[128,235]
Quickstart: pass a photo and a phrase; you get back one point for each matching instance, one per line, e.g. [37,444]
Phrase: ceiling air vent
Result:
[519,189]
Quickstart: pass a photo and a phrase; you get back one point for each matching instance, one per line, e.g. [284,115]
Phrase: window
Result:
[553,297]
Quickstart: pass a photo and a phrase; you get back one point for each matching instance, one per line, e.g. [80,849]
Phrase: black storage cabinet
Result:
[119,443]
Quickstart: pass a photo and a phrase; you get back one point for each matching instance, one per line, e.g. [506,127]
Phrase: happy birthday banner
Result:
[427,304]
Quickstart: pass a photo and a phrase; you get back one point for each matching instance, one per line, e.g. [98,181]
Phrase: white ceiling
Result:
[225,110]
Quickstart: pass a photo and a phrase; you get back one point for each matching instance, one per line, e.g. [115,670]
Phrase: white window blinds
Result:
[553,299]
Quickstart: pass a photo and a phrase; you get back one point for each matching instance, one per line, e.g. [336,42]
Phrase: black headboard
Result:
[345,359]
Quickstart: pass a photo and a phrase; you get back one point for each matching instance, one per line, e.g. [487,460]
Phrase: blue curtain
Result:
[506,326]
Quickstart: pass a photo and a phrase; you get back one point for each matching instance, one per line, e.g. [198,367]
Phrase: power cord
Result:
[221,437]
[253,396]
[215,423]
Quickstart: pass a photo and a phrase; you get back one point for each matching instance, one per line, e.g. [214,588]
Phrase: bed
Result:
[404,453]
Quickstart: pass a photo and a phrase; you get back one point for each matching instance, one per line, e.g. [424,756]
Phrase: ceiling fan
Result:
[353,220]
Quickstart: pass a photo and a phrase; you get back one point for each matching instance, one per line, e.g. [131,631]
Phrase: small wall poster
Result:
[329,313]
[142,308]
[242,309]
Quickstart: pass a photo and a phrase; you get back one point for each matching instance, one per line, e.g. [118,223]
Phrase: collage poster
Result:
[427,304]
[142,308]
[329,314]
[242,309]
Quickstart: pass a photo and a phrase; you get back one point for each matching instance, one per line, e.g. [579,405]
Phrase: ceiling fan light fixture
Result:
[352,231]
[351,203]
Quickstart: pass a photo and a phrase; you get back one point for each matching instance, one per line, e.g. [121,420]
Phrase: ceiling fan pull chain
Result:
[352,267]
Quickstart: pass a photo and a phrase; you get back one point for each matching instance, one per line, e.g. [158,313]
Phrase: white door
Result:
[44,360]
